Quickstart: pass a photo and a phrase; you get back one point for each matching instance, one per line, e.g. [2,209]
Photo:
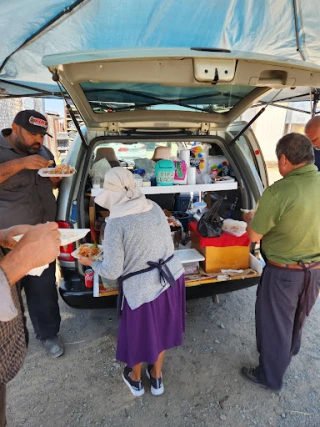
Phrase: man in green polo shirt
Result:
[287,222]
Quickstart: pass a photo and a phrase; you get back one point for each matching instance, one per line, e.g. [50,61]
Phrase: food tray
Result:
[188,255]
[45,173]
[68,235]
[98,257]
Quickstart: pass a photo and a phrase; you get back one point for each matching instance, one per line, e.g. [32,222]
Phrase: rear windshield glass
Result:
[111,97]
[127,153]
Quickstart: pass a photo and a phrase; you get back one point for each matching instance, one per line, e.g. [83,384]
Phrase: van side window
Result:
[246,149]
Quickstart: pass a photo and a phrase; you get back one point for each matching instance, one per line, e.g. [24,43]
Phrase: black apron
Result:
[164,272]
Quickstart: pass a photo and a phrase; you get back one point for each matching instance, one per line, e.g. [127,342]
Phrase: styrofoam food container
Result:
[188,255]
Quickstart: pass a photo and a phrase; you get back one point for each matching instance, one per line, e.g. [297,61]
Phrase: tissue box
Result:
[221,253]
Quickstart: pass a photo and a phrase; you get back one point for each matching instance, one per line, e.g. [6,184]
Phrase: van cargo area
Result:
[220,270]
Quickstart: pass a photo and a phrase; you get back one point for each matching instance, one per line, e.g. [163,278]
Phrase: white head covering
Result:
[121,196]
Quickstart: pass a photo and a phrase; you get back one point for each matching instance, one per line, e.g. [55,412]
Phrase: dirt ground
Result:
[203,386]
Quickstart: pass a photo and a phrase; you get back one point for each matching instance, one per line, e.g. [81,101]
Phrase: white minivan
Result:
[172,98]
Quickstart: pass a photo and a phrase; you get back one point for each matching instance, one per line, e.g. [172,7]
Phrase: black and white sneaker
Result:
[156,383]
[136,387]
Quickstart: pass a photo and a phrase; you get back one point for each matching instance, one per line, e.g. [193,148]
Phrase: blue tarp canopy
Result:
[31,29]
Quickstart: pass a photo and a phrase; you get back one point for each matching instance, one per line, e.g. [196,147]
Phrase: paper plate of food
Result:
[59,171]
[71,235]
[68,235]
[89,250]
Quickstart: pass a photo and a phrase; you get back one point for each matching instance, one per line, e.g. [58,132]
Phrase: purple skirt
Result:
[153,327]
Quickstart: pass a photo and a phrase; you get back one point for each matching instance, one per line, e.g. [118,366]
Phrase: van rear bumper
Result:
[73,296]
[217,288]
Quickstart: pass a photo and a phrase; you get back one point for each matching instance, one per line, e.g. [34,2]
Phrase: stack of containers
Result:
[191,170]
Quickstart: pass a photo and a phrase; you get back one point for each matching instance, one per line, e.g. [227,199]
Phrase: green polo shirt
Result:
[288,217]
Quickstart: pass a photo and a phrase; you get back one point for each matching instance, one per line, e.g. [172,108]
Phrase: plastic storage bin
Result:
[182,202]
[189,259]
[183,217]
[165,172]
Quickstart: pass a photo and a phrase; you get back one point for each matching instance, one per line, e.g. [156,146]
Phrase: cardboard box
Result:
[221,258]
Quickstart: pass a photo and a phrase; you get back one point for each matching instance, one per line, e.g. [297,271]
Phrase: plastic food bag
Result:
[234,227]
[210,224]
[100,168]
[147,165]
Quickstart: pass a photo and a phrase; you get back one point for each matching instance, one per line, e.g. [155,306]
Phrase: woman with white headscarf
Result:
[138,252]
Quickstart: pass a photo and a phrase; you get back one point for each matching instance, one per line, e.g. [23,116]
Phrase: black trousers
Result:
[42,299]
[2,405]
[278,320]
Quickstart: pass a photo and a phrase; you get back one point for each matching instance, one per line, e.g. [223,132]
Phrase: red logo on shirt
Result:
[38,122]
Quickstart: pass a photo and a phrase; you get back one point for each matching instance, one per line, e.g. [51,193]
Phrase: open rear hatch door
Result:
[167,90]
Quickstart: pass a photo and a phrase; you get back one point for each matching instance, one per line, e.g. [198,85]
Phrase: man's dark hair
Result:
[296,147]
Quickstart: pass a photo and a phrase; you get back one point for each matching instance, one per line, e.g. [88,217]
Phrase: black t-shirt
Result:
[26,197]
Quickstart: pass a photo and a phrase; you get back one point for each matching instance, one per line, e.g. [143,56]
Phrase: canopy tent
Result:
[30,30]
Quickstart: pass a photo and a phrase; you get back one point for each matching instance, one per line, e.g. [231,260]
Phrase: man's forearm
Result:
[8,310]
[14,266]
[253,236]
[10,168]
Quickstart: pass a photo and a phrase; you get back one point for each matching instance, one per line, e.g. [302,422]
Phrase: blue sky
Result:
[56,105]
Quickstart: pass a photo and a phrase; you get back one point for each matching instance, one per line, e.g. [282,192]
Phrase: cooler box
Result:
[221,253]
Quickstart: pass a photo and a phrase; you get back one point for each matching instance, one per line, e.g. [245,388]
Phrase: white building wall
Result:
[269,128]
[10,107]
[271,125]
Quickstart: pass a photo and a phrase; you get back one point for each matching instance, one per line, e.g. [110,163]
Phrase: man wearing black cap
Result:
[27,198]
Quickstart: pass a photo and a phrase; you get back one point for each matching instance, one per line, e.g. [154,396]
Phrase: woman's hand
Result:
[85,261]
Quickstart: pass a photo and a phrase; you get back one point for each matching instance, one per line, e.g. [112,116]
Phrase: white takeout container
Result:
[68,235]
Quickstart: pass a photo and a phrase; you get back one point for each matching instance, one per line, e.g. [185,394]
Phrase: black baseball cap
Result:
[32,121]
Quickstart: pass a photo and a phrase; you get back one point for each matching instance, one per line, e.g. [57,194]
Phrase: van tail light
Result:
[143,147]
[122,149]
[65,251]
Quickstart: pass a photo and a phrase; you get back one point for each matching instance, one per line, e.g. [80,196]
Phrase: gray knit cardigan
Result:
[129,243]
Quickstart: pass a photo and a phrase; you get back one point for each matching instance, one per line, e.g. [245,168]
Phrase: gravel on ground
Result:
[203,385]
